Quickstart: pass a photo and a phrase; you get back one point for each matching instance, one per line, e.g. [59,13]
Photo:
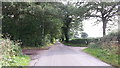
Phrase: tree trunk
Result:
[62,39]
[67,38]
[65,34]
[67,27]
[104,26]
[104,29]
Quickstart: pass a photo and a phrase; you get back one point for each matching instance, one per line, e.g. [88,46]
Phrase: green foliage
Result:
[20,61]
[71,22]
[16,61]
[94,45]
[105,49]
[80,41]
[38,24]
[114,33]
[76,45]
[35,24]
[9,48]
[11,54]
[104,55]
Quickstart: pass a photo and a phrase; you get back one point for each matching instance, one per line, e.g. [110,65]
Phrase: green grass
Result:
[103,55]
[22,60]
[76,45]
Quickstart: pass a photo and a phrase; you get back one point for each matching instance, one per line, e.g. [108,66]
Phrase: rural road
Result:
[61,55]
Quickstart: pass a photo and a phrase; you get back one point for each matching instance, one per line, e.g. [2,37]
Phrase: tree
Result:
[35,24]
[103,11]
[67,11]
[72,19]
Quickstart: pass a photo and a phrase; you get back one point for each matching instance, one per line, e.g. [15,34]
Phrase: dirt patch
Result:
[33,51]
[30,51]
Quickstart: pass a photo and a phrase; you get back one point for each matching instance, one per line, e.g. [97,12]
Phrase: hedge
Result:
[80,41]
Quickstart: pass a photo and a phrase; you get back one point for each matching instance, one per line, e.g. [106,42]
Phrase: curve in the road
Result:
[61,55]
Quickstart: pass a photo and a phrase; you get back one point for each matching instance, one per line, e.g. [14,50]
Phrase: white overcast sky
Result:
[94,30]
[91,29]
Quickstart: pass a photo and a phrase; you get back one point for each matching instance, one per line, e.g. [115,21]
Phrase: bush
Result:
[76,45]
[8,49]
[80,41]
[94,45]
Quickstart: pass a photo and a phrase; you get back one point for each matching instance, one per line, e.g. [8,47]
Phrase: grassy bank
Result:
[22,60]
[103,55]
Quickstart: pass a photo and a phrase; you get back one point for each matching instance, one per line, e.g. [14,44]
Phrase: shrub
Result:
[76,45]
[8,49]
[80,41]
[94,45]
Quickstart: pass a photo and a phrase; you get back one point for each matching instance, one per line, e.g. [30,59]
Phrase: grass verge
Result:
[22,60]
[103,55]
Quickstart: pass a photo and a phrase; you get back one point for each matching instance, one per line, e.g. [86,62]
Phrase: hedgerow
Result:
[8,50]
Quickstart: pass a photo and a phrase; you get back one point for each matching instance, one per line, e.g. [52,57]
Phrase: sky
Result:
[94,30]
[91,29]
